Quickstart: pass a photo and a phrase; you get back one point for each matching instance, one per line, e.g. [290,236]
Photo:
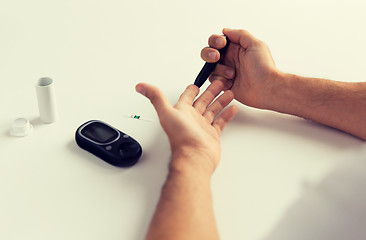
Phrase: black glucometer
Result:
[108,143]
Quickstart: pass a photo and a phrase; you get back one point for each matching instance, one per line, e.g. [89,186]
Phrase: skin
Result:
[249,75]
[185,209]
[256,82]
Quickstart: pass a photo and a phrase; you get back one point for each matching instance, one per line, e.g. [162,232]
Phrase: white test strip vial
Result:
[46,100]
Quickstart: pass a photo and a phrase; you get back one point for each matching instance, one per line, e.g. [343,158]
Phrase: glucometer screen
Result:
[99,132]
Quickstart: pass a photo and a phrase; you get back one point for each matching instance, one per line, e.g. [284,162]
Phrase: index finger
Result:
[189,94]
[217,41]
[208,96]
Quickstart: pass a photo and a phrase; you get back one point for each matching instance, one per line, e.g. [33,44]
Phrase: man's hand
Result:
[247,69]
[192,126]
[250,72]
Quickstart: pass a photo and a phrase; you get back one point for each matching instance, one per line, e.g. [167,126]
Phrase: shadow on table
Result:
[334,208]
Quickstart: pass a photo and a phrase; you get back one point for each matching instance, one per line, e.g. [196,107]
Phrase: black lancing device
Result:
[209,67]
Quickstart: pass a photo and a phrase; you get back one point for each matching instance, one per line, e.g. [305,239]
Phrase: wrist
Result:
[268,94]
[274,92]
[284,95]
[299,96]
[191,161]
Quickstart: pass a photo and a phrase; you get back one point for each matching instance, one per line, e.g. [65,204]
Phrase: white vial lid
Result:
[20,127]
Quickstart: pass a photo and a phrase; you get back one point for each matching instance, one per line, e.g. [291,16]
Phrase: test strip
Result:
[138,117]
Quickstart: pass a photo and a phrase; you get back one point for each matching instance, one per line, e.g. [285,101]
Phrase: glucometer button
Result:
[108,148]
[126,136]
[129,149]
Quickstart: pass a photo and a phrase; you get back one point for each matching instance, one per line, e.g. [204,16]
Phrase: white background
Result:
[97,51]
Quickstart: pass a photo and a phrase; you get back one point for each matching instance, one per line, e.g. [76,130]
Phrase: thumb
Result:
[156,97]
[240,36]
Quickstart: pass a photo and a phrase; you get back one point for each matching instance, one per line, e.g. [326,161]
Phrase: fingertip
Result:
[234,109]
[189,94]
[220,84]
[226,117]
[195,88]
[231,94]
[147,90]
[140,89]
[230,73]
[225,30]
[240,36]
[155,95]
[231,34]
[217,41]
[227,82]
[231,113]
[210,54]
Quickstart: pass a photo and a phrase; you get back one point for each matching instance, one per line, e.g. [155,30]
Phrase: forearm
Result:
[185,208]
[341,105]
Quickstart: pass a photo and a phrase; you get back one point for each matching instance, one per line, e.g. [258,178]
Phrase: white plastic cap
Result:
[20,127]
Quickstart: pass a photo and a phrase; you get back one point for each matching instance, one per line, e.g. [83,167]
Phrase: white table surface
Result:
[97,51]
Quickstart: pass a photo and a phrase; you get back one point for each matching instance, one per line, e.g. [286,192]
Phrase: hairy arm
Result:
[185,207]
[340,105]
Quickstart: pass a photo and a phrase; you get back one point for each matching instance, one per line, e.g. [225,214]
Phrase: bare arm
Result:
[257,82]
[340,105]
[193,127]
[185,207]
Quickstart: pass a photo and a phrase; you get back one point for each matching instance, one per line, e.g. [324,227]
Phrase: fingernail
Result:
[219,41]
[140,90]
[212,55]
[229,73]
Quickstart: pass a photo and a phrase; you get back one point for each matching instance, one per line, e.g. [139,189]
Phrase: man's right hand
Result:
[256,82]
[247,69]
